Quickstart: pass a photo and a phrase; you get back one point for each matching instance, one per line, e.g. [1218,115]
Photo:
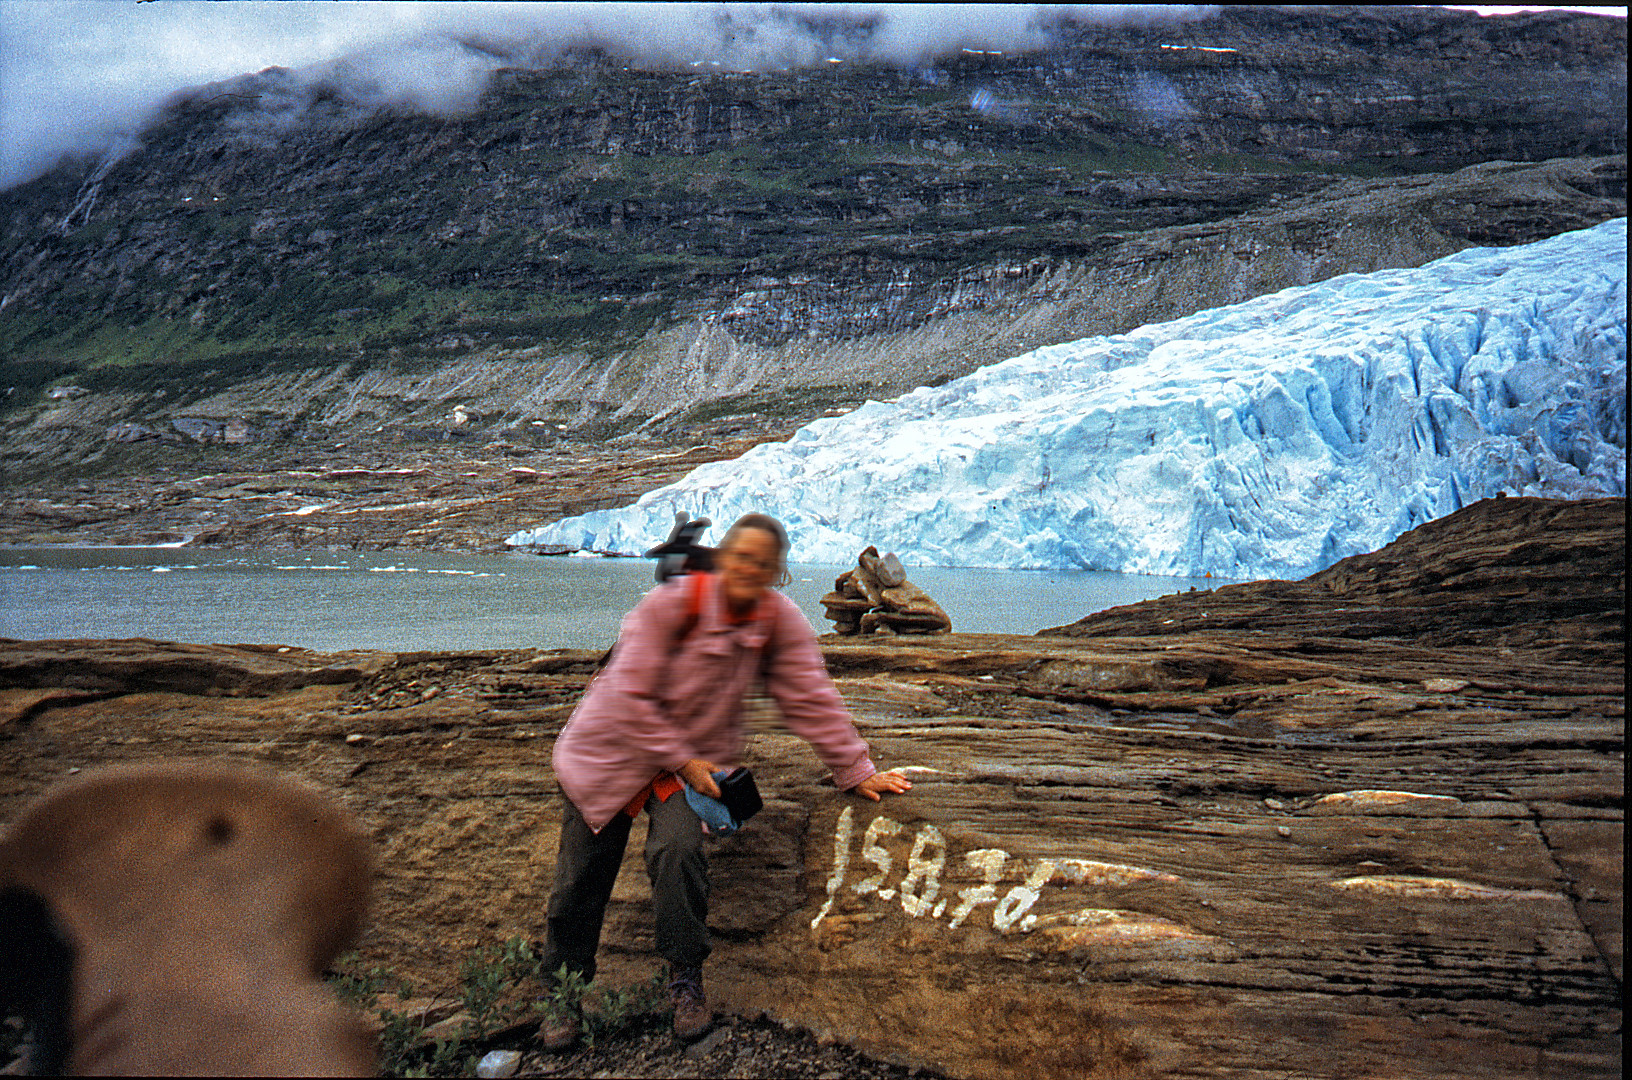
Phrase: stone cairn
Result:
[876,597]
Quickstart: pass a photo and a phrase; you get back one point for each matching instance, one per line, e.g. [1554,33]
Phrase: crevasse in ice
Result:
[1265,439]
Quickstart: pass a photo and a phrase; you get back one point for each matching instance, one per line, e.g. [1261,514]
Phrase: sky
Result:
[83,76]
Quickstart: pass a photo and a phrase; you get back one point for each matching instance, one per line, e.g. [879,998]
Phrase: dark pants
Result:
[587,865]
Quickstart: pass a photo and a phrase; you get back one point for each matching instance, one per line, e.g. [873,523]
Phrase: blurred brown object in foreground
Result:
[176,919]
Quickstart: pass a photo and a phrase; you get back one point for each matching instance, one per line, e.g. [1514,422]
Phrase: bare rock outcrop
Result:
[137,664]
[877,597]
[1501,572]
[1261,851]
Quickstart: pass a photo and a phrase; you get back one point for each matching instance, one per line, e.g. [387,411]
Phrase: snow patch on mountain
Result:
[1265,439]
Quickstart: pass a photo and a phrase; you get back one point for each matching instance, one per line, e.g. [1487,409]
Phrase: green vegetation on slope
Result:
[574,210]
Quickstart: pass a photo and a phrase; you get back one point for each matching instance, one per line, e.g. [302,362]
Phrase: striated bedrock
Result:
[1260,852]
[1498,573]
[449,497]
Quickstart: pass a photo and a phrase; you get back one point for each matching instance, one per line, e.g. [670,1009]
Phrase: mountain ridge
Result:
[647,251]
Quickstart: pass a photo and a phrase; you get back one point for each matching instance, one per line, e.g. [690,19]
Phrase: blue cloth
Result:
[717,820]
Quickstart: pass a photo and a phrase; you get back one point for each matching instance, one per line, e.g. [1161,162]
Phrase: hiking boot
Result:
[692,1016]
[560,1031]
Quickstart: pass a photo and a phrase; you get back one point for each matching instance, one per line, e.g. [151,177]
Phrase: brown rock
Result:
[867,585]
[122,667]
[876,597]
[908,605]
[1501,572]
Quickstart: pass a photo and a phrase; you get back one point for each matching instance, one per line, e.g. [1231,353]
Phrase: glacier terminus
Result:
[1265,439]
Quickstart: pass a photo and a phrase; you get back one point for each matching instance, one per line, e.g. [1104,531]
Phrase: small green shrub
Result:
[619,1008]
[401,1035]
[499,988]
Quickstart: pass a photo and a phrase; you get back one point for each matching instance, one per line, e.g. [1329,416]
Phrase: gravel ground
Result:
[758,1049]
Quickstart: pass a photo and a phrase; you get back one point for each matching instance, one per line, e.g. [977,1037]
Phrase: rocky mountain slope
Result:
[597,248]
[1343,842]
[1497,578]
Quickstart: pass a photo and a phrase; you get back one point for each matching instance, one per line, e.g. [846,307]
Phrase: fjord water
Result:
[408,601]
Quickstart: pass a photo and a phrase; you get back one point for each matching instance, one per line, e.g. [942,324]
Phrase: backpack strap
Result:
[766,651]
[694,615]
[694,609]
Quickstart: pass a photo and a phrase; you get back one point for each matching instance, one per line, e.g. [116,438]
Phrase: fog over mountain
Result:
[84,77]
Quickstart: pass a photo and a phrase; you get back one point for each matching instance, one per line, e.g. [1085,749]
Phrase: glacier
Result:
[1264,439]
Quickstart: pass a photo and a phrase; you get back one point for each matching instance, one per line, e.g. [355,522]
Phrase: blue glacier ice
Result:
[1265,439]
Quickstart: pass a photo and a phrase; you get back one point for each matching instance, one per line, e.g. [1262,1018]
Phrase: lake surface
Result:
[406,601]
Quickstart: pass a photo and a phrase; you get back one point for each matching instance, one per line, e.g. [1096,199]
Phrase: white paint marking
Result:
[1434,888]
[989,861]
[1020,898]
[841,861]
[919,889]
[923,881]
[1378,797]
[1089,872]
[875,853]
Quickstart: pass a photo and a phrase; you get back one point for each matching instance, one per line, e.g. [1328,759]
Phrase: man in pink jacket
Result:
[669,709]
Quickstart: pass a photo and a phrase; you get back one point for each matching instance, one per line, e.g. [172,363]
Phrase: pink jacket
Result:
[662,702]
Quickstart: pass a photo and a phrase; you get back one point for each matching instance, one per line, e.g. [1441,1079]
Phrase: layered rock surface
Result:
[326,496]
[1502,572]
[1258,851]
[876,597]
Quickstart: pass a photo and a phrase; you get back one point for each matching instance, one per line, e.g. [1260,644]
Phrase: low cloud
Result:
[84,76]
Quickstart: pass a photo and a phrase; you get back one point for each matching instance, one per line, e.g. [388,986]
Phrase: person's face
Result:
[748,565]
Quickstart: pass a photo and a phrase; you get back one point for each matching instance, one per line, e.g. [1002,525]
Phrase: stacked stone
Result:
[876,597]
